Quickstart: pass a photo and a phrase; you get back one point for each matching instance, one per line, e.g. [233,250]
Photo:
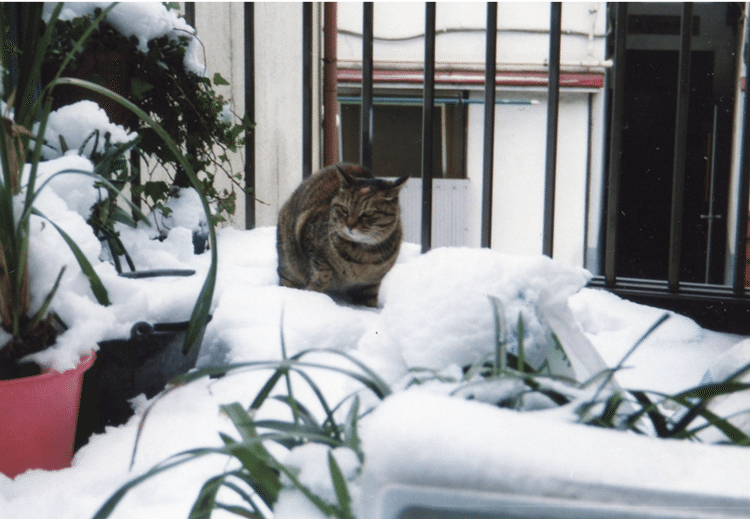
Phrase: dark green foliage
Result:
[185,104]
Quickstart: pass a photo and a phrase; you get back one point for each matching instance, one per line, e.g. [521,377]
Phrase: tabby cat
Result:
[340,233]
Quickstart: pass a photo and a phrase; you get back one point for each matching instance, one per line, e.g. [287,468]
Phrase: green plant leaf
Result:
[254,456]
[218,80]
[42,312]
[340,488]
[304,413]
[265,391]
[501,347]
[172,462]
[206,500]
[351,430]
[521,347]
[156,190]
[370,379]
[321,399]
[97,287]
[138,87]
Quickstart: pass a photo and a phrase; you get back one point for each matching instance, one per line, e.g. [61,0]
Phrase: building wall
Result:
[519,183]
[278,93]
[221,30]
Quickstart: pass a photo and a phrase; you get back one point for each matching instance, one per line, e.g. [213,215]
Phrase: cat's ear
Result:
[400,181]
[393,187]
[346,178]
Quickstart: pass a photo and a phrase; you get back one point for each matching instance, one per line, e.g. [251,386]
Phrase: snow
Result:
[481,452]
[144,20]
[434,313]
[76,125]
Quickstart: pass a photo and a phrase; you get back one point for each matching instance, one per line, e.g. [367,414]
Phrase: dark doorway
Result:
[650,104]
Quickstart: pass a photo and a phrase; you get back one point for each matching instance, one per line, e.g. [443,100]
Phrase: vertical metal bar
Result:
[330,140]
[367,68]
[190,13]
[587,189]
[490,66]
[710,217]
[740,237]
[249,13]
[617,82]
[307,88]
[553,104]
[427,108]
[680,143]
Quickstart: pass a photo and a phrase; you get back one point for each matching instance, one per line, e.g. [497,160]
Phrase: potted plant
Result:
[27,328]
[165,78]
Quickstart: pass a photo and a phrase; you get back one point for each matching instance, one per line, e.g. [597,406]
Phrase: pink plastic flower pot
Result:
[38,419]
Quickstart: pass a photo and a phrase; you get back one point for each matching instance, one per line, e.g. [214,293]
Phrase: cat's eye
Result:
[369,213]
[341,209]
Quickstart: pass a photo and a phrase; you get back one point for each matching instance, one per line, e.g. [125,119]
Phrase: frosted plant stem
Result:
[643,337]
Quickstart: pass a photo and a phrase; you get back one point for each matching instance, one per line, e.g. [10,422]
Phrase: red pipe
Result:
[330,70]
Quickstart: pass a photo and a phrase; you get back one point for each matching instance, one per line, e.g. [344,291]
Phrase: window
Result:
[397,135]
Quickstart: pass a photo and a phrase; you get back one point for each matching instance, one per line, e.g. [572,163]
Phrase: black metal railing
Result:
[721,307]
[725,307]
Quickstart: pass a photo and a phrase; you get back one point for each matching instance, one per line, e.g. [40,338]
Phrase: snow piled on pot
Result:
[144,20]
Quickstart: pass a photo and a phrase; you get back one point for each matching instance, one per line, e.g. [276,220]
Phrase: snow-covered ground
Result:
[434,313]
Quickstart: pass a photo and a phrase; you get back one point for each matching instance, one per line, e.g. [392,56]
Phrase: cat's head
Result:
[365,209]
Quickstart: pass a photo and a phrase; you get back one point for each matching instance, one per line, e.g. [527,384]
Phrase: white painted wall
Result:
[278,105]
[221,30]
[522,38]
[278,92]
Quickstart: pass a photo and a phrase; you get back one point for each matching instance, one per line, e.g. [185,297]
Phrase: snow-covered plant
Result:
[259,476]
[684,415]
[504,378]
[26,105]
[23,105]
[155,64]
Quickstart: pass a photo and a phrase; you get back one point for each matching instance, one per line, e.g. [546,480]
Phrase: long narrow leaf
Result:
[42,312]
[174,461]
[206,500]
[351,430]
[611,373]
[340,488]
[258,464]
[521,346]
[257,509]
[298,430]
[376,384]
[97,287]
[657,419]
[305,415]
[321,399]
[265,391]
[501,353]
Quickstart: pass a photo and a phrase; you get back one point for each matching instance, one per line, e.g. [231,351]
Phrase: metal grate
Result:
[720,307]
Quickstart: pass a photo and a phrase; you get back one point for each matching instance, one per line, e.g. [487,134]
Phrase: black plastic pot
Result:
[124,368]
